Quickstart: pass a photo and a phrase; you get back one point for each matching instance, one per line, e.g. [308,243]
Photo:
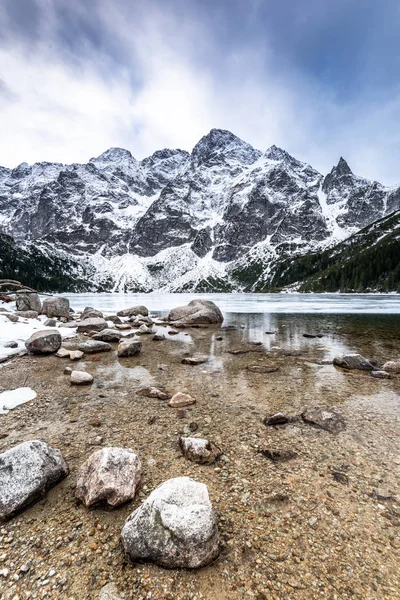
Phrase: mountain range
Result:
[225,217]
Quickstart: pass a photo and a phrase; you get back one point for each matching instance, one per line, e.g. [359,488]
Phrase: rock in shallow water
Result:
[109,475]
[381,375]
[329,419]
[94,346]
[393,366]
[175,527]
[129,348]
[196,359]
[108,335]
[27,472]
[153,392]
[197,311]
[47,341]
[353,361]
[80,378]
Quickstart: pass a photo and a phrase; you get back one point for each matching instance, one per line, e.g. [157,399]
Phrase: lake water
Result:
[248,303]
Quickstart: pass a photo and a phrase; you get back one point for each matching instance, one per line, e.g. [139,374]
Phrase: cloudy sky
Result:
[320,78]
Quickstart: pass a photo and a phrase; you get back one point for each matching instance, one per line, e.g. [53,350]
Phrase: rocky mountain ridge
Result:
[220,218]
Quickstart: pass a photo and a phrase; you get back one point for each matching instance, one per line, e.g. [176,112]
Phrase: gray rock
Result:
[353,361]
[116,320]
[158,337]
[109,592]
[56,307]
[197,311]
[46,341]
[91,313]
[94,346]
[196,359]
[12,317]
[199,450]
[276,419]
[68,370]
[27,472]
[88,325]
[50,323]
[27,314]
[129,348]
[11,345]
[108,335]
[133,311]
[110,475]
[392,366]
[329,419]
[381,374]
[144,329]
[80,377]
[75,354]
[175,527]
[62,353]
[153,392]
[25,300]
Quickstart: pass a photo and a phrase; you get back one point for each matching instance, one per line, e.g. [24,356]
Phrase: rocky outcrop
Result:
[27,472]
[197,311]
[47,341]
[56,307]
[175,527]
[26,300]
[199,450]
[110,475]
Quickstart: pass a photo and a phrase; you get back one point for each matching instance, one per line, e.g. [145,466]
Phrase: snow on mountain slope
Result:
[186,221]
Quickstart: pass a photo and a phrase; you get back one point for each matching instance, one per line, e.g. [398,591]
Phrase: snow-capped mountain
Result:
[221,217]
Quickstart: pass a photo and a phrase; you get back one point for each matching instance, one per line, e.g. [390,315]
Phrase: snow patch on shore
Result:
[13,398]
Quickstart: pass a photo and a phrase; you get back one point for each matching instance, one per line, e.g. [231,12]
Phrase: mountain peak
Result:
[342,167]
[113,155]
[220,144]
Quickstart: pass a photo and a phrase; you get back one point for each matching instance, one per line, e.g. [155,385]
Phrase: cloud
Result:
[78,78]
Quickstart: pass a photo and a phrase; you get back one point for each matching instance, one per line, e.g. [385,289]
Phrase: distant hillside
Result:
[367,261]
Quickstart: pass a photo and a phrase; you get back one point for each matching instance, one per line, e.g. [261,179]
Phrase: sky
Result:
[319,78]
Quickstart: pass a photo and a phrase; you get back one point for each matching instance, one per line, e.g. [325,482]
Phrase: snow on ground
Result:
[13,398]
[22,330]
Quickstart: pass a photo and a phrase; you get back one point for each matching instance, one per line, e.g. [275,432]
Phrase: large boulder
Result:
[133,311]
[56,307]
[27,472]
[26,300]
[46,341]
[175,527]
[109,475]
[353,361]
[197,311]
[93,324]
[129,348]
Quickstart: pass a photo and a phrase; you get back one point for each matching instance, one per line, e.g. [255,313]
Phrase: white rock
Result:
[175,527]
[81,378]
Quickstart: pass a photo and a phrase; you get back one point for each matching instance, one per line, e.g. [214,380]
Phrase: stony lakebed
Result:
[158,454]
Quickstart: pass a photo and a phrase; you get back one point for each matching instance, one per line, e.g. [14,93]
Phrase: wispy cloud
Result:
[77,78]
